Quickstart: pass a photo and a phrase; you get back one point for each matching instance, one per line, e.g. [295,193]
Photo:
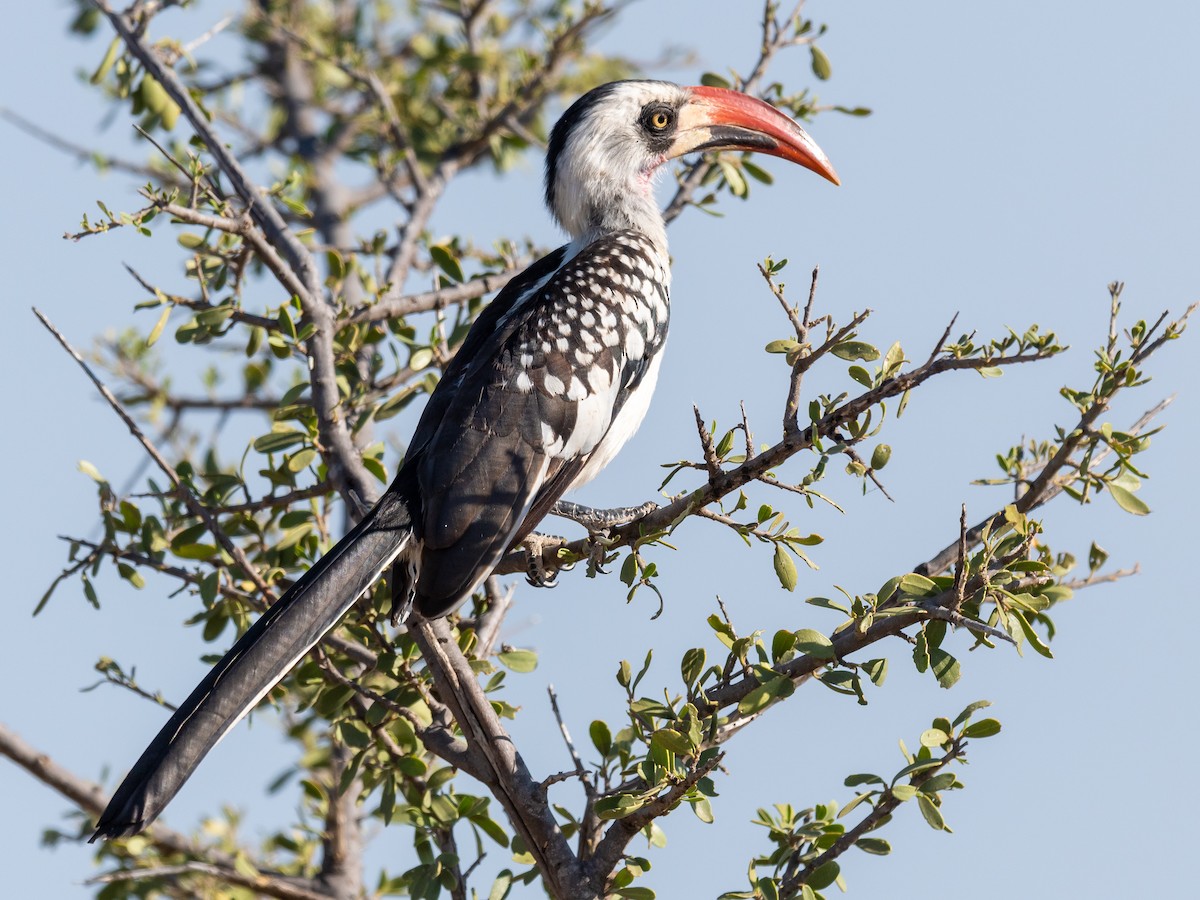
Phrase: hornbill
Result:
[552,379]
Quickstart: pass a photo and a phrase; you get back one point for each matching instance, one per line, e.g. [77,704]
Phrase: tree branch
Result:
[92,799]
[345,465]
[505,773]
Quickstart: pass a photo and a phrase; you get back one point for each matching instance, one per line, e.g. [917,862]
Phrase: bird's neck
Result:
[590,208]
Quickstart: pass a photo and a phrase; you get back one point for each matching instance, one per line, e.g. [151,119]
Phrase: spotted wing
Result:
[521,418]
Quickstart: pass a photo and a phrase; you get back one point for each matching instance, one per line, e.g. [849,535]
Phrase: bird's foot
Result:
[598,543]
[537,572]
[599,524]
[598,520]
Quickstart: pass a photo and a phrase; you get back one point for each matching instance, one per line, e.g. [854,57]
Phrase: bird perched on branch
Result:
[552,379]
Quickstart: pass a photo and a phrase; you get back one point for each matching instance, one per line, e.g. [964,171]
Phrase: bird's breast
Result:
[586,348]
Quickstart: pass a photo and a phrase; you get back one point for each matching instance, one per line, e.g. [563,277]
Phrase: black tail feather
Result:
[311,608]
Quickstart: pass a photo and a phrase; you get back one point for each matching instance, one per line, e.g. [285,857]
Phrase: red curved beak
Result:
[737,121]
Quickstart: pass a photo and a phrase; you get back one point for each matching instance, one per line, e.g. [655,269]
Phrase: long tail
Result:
[256,663]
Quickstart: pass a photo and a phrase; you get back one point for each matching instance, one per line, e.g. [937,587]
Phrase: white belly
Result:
[624,426]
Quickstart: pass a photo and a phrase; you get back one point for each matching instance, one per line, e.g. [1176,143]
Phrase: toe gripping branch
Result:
[598,523]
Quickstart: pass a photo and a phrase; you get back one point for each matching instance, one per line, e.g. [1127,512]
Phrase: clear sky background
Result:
[1016,163]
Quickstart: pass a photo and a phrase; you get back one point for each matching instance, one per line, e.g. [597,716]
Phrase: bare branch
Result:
[760,467]
[394,305]
[91,799]
[504,771]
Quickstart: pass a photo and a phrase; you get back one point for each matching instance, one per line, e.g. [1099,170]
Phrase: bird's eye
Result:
[658,119]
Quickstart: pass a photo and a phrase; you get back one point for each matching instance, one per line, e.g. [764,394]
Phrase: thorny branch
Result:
[761,467]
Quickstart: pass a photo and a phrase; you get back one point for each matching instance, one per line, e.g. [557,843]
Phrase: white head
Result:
[606,149]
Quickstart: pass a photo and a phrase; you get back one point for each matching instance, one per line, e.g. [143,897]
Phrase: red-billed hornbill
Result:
[552,379]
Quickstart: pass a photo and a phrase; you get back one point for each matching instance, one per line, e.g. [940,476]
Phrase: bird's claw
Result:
[597,550]
[537,573]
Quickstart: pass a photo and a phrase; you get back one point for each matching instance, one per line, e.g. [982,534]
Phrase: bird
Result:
[552,379]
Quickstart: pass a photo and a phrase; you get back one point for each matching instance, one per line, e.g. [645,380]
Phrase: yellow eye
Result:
[659,120]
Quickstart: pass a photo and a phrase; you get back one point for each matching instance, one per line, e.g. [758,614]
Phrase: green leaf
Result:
[970,710]
[420,358]
[1127,500]
[876,670]
[880,456]
[712,79]
[904,792]
[863,778]
[917,585]
[501,886]
[624,673]
[157,330]
[447,262]
[875,846]
[849,350]
[932,814]
[618,806]
[862,376]
[813,643]
[195,551]
[601,737]
[1034,639]
[820,63]
[921,652]
[703,810]
[692,665]
[981,729]
[782,644]
[783,346]
[824,876]
[945,667]
[785,569]
[132,575]
[301,460]
[670,739]
[91,471]
[757,699]
[933,737]
[106,63]
[935,783]
[518,660]
[758,174]
[761,696]
[279,440]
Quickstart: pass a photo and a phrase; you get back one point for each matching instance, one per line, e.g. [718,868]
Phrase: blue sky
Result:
[1014,165]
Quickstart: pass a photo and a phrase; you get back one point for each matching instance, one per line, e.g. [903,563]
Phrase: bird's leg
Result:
[599,524]
[537,572]
[598,520]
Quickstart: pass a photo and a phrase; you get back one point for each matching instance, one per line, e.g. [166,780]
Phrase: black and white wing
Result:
[552,380]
